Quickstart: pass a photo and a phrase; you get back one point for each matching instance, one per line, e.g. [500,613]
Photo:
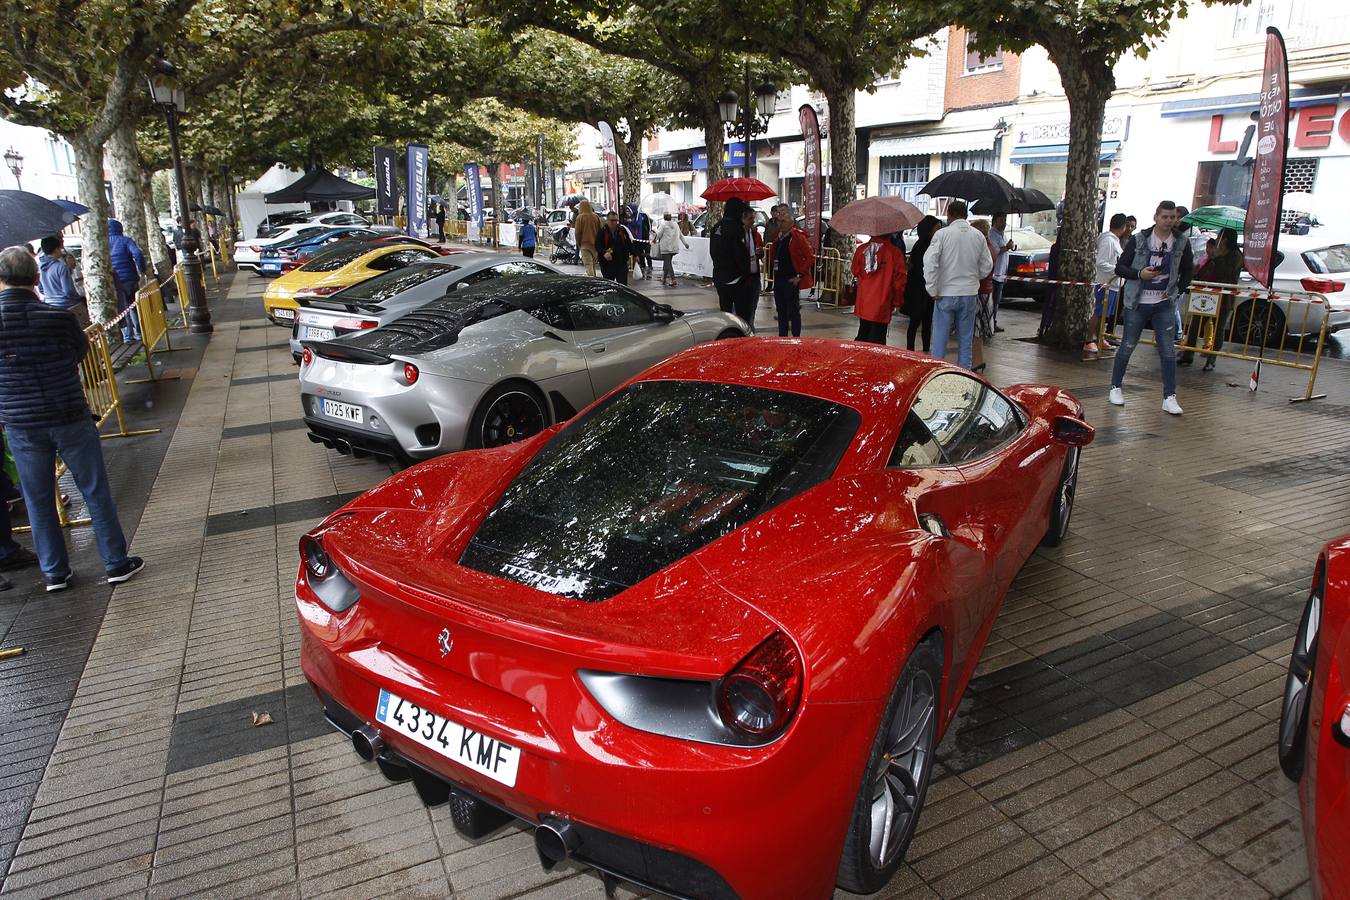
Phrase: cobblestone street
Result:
[1118,741]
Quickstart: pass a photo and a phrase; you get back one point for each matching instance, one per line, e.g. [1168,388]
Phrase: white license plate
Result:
[344,411]
[281,313]
[472,749]
[319,334]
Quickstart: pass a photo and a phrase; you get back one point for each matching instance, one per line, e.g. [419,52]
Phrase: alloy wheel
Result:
[1068,490]
[513,416]
[901,775]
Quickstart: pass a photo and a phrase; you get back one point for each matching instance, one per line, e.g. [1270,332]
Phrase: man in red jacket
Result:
[880,270]
[792,264]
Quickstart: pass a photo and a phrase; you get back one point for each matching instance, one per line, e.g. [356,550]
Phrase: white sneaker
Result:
[1117,397]
[1170,405]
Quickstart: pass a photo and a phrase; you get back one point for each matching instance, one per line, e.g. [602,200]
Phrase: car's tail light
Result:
[323,576]
[306,356]
[760,695]
[322,291]
[290,266]
[1032,267]
[1323,285]
[410,374]
[355,324]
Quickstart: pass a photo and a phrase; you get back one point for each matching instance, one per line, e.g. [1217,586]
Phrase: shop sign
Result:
[733,154]
[1115,127]
[1315,127]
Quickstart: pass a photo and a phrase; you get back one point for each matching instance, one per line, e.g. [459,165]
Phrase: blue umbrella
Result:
[26,217]
[78,209]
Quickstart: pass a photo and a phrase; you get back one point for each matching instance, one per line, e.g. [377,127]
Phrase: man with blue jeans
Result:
[44,413]
[1156,264]
[956,262]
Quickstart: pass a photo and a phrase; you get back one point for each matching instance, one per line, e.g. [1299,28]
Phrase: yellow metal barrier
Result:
[829,277]
[150,311]
[457,228]
[1279,328]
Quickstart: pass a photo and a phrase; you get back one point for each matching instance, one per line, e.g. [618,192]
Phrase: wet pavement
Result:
[1118,740]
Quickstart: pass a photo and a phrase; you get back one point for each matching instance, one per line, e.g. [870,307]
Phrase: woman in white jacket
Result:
[668,241]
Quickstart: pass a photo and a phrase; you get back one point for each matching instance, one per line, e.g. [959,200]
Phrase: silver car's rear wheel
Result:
[509,413]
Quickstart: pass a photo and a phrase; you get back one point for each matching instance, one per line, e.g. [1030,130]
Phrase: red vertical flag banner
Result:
[811,193]
[1264,207]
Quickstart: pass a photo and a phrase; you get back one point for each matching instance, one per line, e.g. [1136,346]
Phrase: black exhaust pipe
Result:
[367,742]
[555,840]
[343,447]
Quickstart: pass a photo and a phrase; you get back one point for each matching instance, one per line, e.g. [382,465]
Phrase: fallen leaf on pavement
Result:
[261,718]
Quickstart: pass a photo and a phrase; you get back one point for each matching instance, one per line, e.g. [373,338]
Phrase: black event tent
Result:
[318,185]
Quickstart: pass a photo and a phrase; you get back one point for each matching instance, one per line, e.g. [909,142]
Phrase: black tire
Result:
[729,333]
[512,411]
[1061,505]
[864,868]
[1293,737]
[1252,315]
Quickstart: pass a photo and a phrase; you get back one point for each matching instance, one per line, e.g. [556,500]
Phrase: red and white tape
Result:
[1052,280]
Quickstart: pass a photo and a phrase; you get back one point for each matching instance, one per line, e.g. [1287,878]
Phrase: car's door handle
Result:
[596,348]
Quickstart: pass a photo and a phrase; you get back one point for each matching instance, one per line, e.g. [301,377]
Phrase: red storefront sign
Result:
[1315,128]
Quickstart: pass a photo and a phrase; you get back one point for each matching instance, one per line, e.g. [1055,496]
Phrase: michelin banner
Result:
[476,212]
[417,190]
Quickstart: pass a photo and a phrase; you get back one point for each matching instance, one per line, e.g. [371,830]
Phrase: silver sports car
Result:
[384,298]
[490,364]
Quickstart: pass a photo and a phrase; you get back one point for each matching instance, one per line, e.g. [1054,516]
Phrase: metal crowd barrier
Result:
[829,278]
[456,228]
[1278,328]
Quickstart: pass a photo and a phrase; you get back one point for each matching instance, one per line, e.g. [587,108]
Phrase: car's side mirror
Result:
[663,313]
[1071,432]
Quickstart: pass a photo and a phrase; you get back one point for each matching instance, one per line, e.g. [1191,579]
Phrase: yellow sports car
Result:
[346,264]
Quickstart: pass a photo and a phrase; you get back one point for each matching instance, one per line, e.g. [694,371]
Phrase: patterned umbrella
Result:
[745,188]
[876,215]
[26,217]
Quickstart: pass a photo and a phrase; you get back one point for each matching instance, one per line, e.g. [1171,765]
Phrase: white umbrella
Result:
[658,204]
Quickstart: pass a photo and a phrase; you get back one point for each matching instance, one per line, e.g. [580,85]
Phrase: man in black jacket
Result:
[731,259]
[44,413]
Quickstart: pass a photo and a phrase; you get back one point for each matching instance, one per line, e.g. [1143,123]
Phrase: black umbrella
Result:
[571,200]
[1024,200]
[971,184]
[209,210]
[26,217]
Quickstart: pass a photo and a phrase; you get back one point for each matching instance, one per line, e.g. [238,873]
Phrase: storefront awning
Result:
[928,144]
[1056,153]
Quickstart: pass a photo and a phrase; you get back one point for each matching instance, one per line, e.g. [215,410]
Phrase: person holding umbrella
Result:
[880,270]
[791,261]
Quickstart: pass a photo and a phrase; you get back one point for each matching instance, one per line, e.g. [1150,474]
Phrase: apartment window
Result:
[977,63]
[979,160]
[903,176]
[1250,21]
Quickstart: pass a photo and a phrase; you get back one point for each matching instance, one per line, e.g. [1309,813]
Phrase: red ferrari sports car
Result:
[705,637]
[1315,721]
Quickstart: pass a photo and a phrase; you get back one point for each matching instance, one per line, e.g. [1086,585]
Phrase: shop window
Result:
[977,63]
[903,176]
[979,160]
[1229,183]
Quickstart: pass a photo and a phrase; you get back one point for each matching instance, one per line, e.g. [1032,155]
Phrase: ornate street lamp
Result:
[14,159]
[166,94]
[754,115]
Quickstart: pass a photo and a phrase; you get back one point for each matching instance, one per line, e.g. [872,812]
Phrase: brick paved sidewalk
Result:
[1118,741]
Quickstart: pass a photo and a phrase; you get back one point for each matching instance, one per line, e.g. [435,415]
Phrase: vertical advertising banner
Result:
[417,190]
[611,166]
[475,184]
[811,192]
[1262,230]
[386,183]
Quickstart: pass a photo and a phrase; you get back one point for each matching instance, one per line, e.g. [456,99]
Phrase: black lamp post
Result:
[754,115]
[14,159]
[168,96]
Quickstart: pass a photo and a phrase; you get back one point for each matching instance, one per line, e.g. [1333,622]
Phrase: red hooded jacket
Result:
[803,260]
[879,266]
